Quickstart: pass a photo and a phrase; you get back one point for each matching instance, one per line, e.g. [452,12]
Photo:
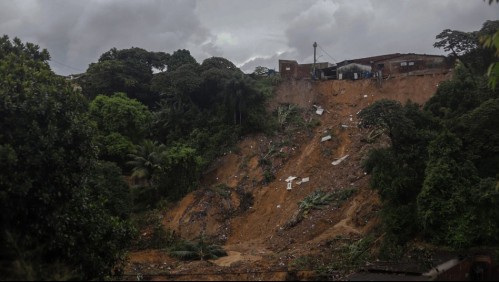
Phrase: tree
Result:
[446,195]
[121,123]
[466,46]
[397,172]
[147,161]
[220,64]
[261,71]
[179,58]
[181,168]
[129,71]
[118,113]
[48,219]
[107,186]
[478,131]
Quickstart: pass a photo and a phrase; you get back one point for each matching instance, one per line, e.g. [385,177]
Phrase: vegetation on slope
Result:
[439,178]
[66,207]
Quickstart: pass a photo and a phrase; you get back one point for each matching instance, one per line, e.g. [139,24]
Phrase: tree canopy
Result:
[439,177]
[49,222]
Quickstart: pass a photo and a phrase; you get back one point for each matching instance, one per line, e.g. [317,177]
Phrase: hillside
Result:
[255,218]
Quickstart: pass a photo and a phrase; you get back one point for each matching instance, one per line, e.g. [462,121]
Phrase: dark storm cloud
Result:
[76,33]
[248,33]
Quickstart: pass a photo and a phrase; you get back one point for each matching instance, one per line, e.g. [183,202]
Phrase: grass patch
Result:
[222,190]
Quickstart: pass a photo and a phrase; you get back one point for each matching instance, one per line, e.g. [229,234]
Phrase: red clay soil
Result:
[258,234]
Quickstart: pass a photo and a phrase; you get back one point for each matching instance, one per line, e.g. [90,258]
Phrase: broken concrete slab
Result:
[325,138]
[289,181]
[303,180]
[319,110]
[338,161]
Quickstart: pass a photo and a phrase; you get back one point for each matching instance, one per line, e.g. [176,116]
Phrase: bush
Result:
[197,250]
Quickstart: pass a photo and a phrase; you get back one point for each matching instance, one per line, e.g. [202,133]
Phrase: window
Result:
[288,68]
[411,63]
[403,64]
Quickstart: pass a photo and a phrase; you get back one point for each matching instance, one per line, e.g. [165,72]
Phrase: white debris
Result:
[365,96]
[289,180]
[278,206]
[319,110]
[344,126]
[337,162]
[305,179]
[325,138]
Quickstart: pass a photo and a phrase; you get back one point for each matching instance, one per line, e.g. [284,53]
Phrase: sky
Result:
[248,33]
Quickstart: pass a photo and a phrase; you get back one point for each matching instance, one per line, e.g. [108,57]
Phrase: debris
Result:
[337,162]
[278,206]
[319,110]
[325,138]
[365,96]
[344,126]
[289,180]
[303,180]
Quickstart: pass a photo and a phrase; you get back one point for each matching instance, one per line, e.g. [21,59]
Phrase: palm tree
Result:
[146,161]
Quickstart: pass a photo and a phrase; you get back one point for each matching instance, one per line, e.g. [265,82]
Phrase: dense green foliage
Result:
[129,71]
[53,224]
[193,112]
[440,176]
[121,123]
[65,203]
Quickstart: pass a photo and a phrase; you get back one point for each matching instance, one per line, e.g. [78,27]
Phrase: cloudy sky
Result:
[248,33]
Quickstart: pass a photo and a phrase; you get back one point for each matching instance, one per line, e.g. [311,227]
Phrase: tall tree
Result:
[128,70]
[47,218]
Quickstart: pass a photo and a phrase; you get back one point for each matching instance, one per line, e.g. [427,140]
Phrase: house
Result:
[292,70]
[395,64]
[386,65]
[405,64]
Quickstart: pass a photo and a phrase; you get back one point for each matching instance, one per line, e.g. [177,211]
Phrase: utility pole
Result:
[315,47]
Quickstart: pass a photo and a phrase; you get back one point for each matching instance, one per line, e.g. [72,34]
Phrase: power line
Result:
[327,54]
[65,65]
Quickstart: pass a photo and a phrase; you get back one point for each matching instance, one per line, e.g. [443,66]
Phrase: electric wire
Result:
[327,53]
[65,65]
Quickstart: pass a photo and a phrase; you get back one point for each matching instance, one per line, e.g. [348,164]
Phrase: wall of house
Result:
[291,69]
[410,64]
[288,68]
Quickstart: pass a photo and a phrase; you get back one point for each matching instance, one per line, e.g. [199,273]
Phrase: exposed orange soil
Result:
[256,235]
